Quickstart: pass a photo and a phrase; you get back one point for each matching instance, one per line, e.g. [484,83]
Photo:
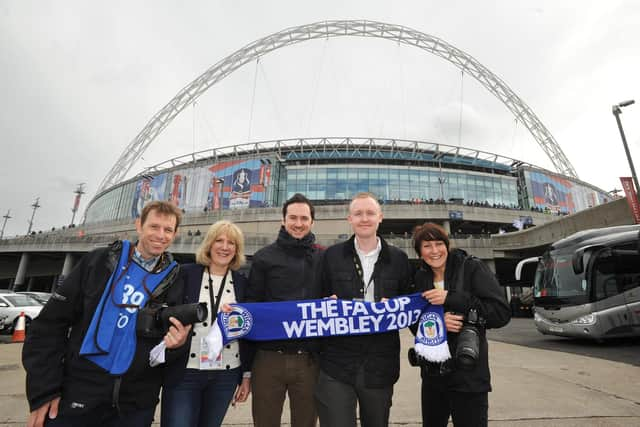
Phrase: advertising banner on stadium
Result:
[178,189]
[148,189]
[632,197]
[237,184]
[556,194]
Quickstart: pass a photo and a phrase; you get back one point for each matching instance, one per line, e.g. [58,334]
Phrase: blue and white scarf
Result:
[333,317]
[110,341]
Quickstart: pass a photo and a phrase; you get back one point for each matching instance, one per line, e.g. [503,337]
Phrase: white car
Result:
[11,305]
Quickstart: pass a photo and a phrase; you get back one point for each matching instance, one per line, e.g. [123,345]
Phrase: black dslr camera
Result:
[153,322]
[467,349]
[468,346]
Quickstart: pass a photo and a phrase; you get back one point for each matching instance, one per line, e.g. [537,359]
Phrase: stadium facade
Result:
[332,170]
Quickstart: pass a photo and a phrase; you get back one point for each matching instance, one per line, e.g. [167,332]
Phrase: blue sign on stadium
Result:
[455,215]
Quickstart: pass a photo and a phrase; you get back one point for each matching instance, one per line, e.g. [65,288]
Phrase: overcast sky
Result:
[80,79]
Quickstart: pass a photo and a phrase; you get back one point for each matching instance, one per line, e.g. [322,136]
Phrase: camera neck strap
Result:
[459,277]
[215,303]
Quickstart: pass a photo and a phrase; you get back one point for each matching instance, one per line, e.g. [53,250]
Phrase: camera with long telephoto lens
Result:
[468,345]
[153,322]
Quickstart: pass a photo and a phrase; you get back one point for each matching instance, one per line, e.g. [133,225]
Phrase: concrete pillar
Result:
[32,280]
[67,266]
[447,227]
[66,269]
[19,283]
[491,264]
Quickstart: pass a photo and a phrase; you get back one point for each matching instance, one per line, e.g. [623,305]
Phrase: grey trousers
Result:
[336,402]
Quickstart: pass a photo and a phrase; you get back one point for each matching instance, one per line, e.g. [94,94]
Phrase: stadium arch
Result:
[330,29]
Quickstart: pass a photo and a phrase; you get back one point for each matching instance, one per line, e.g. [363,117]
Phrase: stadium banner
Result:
[632,197]
[148,189]
[556,194]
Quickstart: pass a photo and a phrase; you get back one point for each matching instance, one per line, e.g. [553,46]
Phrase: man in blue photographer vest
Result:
[85,363]
[361,369]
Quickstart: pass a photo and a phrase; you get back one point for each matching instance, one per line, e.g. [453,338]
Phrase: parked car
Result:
[41,297]
[11,305]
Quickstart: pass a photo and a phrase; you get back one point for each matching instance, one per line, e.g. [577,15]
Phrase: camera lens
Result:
[468,348]
[201,312]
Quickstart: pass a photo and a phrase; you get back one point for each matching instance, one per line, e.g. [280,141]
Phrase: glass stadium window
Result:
[310,175]
[341,190]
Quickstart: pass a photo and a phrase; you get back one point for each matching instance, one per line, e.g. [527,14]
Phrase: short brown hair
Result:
[427,232]
[298,198]
[161,207]
[233,232]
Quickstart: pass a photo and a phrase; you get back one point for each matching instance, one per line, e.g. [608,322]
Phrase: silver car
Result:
[41,297]
[11,305]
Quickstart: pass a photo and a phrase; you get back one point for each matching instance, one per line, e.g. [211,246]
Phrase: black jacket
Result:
[341,357]
[192,277]
[470,284]
[286,270]
[51,350]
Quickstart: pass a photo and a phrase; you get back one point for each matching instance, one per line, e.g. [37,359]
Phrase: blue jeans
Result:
[200,399]
[105,416]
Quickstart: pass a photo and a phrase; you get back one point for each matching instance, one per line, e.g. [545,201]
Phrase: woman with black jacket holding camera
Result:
[467,289]
[197,390]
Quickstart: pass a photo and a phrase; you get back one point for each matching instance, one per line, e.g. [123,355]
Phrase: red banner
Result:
[632,197]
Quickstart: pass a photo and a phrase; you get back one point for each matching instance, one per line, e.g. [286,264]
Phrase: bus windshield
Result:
[556,283]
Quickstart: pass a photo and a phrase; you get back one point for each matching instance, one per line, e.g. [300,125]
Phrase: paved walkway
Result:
[532,388]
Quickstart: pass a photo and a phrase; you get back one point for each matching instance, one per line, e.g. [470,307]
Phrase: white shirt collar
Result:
[361,253]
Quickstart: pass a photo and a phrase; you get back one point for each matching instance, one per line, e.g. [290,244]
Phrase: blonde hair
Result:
[233,232]
[365,195]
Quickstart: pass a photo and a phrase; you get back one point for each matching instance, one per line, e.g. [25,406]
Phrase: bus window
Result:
[615,273]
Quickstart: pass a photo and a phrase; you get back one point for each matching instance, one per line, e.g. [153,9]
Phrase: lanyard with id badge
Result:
[205,361]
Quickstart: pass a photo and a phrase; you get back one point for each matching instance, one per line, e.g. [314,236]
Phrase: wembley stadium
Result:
[330,171]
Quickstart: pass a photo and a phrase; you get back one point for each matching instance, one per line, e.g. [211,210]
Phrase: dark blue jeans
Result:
[200,399]
[105,416]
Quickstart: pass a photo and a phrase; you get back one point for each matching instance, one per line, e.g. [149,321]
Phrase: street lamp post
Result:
[76,202]
[616,112]
[35,206]
[6,217]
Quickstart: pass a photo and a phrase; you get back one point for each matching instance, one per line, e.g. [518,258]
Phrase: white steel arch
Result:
[326,29]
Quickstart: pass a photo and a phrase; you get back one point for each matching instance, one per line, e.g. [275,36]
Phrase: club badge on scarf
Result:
[321,318]
[431,337]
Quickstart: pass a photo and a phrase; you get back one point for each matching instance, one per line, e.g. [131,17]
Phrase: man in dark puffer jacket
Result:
[361,369]
[285,270]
